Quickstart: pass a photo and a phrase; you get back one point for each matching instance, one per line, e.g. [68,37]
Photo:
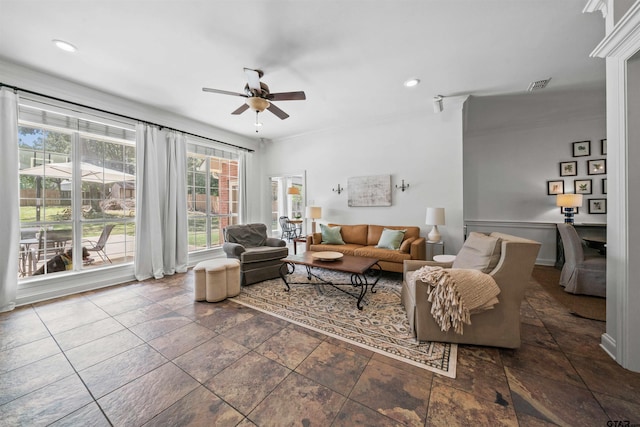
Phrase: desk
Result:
[597,242]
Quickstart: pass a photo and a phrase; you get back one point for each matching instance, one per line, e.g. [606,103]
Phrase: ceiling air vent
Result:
[540,84]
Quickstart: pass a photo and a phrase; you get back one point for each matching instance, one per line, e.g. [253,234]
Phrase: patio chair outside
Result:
[99,246]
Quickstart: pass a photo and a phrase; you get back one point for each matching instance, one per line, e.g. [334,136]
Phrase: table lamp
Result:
[313,212]
[435,217]
[567,202]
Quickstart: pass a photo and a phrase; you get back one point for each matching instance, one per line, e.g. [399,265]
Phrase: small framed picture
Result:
[603,147]
[555,187]
[569,168]
[581,148]
[582,186]
[597,206]
[604,185]
[596,167]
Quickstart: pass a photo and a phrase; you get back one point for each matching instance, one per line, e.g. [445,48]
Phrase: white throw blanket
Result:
[457,293]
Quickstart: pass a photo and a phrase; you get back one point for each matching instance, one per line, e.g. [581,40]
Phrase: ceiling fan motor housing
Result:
[263,93]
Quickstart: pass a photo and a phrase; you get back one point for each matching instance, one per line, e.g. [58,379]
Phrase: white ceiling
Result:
[349,56]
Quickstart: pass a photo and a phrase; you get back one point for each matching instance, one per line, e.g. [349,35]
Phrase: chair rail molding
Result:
[543,232]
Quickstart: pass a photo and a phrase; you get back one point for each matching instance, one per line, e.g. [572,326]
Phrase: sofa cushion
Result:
[406,244]
[390,239]
[331,235]
[263,253]
[356,234]
[375,231]
[347,248]
[479,252]
[382,254]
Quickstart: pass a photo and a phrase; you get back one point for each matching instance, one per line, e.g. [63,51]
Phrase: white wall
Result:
[513,145]
[424,149]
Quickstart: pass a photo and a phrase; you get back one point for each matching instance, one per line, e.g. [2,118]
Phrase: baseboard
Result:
[608,344]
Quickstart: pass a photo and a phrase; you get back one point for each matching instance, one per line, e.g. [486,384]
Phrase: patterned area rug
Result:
[381,326]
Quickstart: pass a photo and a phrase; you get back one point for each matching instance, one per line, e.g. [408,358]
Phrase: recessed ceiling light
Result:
[412,82]
[66,46]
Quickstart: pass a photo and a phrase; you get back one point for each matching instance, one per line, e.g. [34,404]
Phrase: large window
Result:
[212,195]
[77,190]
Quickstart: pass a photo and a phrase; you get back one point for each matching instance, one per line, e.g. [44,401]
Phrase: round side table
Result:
[444,258]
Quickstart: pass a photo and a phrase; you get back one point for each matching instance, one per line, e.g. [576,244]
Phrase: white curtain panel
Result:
[175,204]
[244,159]
[161,231]
[9,194]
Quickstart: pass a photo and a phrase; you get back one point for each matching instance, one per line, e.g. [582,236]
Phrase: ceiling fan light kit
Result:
[258,104]
[258,96]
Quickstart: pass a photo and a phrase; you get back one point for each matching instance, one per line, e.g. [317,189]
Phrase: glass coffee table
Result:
[365,272]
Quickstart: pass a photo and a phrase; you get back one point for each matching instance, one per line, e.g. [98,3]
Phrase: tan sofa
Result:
[497,327]
[361,239]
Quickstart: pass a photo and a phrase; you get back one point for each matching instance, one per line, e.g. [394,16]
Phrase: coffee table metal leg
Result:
[285,269]
[359,280]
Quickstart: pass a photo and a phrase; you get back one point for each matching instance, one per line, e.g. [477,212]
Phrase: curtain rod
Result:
[15,88]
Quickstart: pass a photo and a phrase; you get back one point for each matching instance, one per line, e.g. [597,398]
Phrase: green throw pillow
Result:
[331,235]
[391,239]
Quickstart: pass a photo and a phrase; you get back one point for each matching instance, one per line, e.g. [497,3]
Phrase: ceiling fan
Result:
[258,96]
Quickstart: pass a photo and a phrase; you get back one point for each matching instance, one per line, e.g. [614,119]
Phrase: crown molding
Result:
[597,6]
[624,39]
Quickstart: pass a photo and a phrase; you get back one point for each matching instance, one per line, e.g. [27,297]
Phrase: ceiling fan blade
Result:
[253,78]
[241,109]
[287,96]
[278,112]
[224,92]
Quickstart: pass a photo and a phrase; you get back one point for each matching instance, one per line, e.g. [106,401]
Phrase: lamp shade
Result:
[313,212]
[293,191]
[435,216]
[569,200]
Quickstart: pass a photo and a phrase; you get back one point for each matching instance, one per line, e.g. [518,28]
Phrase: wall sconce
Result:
[403,186]
[438,104]
[338,190]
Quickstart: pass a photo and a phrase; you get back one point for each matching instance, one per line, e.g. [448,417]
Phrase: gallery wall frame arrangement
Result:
[583,183]
[582,186]
[597,206]
[581,148]
[555,187]
[569,168]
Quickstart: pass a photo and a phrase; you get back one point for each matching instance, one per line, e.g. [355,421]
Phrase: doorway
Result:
[287,199]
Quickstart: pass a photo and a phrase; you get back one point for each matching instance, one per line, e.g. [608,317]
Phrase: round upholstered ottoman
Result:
[217,279]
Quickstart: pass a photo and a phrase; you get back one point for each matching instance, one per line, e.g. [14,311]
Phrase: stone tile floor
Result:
[145,354]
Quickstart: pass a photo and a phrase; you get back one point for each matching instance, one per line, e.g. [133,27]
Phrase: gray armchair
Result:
[497,327]
[581,274]
[259,254]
